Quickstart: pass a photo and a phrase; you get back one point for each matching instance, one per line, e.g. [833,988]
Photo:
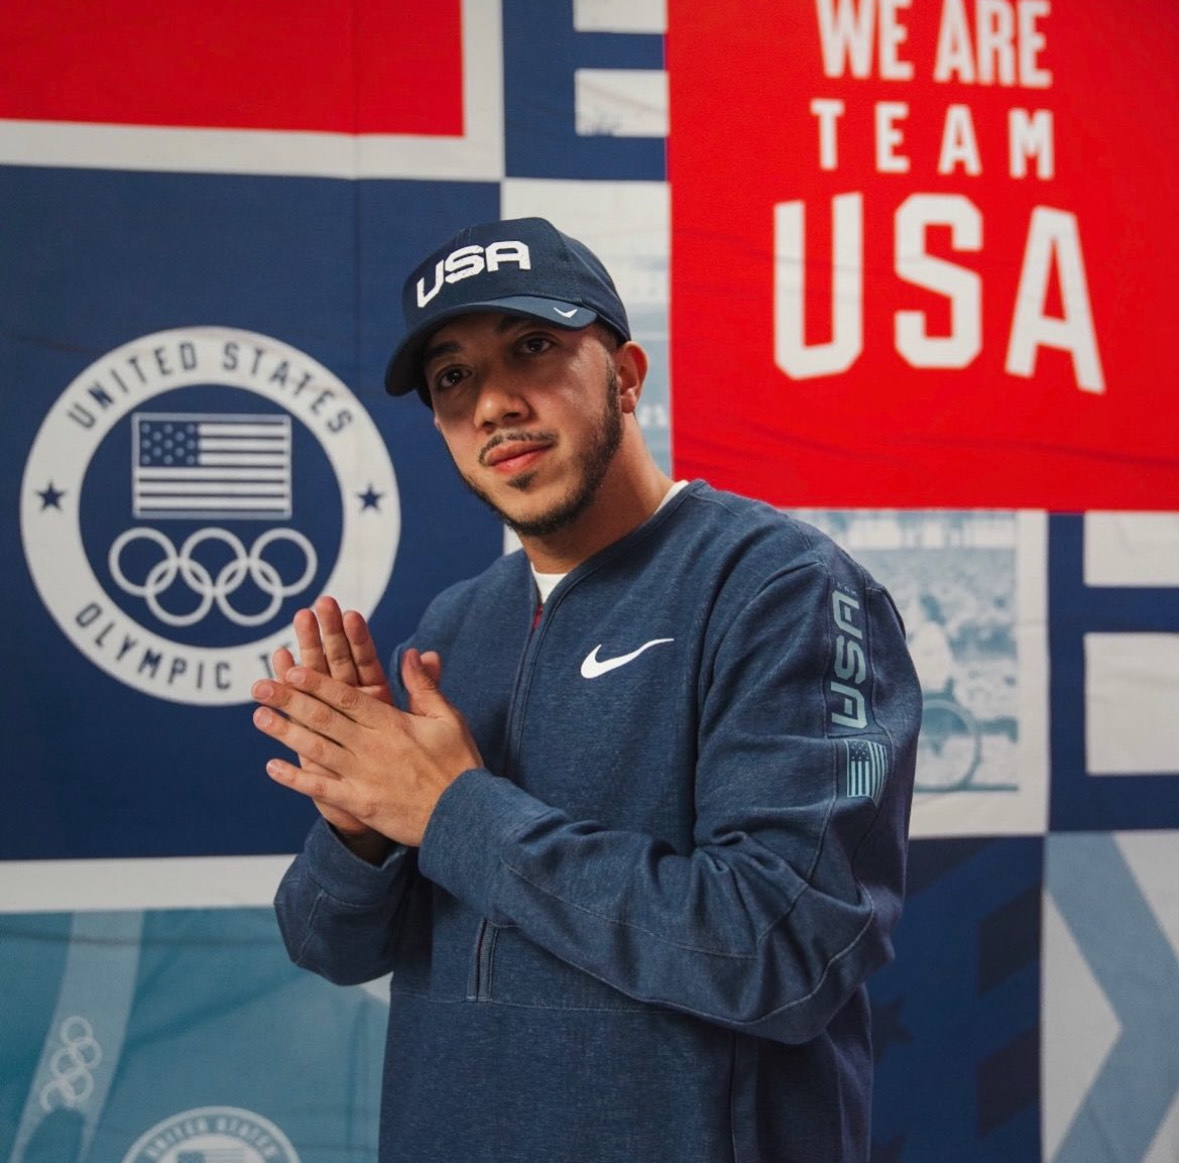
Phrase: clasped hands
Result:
[374,772]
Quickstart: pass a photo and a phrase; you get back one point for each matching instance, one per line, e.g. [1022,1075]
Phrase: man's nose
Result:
[501,401]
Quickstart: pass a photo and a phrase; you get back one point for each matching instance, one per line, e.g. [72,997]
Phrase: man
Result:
[628,822]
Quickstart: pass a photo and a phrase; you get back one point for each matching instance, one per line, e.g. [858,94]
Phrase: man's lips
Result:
[512,455]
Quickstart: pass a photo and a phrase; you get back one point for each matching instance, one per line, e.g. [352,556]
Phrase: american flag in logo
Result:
[866,768]
[211,465]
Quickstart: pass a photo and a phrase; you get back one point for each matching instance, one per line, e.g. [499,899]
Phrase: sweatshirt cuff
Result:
[342,874]
[474,821]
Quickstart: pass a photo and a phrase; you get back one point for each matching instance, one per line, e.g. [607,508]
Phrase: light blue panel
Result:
[192,1023]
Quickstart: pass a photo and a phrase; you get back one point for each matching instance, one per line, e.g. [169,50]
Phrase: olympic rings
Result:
[184,565]
[71,1066]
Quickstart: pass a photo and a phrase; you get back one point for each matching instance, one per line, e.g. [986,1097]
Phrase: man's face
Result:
[530,414]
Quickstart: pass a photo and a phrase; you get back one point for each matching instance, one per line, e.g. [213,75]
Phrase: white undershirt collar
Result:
[547,582]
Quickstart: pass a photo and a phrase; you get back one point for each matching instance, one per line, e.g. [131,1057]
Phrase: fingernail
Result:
[263,690]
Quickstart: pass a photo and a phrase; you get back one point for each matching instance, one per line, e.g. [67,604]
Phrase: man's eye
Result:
[447,378]
[535,344]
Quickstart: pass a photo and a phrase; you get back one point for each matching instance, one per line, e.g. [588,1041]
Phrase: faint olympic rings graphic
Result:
[71,1066]
[245,563]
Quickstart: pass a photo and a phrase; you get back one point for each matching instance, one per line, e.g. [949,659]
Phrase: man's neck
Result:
[625,500]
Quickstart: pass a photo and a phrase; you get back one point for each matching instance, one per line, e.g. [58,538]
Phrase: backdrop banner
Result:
[904,268]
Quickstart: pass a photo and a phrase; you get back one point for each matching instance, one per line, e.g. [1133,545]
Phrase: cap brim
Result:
[403,374]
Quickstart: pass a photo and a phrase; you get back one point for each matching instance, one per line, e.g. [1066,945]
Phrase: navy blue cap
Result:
[522,266]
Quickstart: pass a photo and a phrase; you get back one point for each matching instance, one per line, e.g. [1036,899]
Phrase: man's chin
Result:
[545,522]
[538,523]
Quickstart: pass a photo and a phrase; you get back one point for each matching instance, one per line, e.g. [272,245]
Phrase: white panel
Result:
[476,156]
[1132,704]
[621,102]
[50,886]
[620,15]
[1020,807]
[628,226]
[971,586]
[1132,549]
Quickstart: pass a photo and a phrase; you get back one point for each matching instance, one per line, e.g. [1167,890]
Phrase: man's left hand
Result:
[380,765]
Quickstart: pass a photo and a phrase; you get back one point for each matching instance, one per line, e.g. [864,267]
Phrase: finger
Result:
[421,675]
[320,745]
[432,664]
[336,647]
[280,662]
[314,698]
[369,670]
[310,645]
[335,801]
[319,785]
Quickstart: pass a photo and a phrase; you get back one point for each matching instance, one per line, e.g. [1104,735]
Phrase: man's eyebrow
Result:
[507,322]
[452,346]
[449,347]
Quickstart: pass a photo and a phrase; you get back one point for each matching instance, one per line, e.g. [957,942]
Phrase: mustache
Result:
[519,436]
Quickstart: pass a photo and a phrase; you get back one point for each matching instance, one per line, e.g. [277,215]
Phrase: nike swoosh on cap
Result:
[566,314]
[594,667]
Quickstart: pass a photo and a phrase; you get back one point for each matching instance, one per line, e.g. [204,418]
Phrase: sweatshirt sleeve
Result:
[337,913]
[809,710]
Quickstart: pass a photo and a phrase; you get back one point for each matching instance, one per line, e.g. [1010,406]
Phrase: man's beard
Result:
[594,461]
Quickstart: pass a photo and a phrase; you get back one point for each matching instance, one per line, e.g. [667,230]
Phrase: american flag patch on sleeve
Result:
[865,768]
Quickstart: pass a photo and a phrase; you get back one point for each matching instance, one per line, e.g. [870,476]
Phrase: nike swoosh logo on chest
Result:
[594,667]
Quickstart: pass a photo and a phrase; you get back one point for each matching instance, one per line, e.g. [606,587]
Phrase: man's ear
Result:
[630,365]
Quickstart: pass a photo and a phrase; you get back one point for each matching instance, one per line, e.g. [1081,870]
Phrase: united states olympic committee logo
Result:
[188,491]
[214,1132]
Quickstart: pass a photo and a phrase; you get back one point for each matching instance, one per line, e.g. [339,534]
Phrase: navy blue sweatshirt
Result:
[642,930]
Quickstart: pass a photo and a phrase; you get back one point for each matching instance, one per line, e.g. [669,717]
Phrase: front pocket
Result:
[515,971]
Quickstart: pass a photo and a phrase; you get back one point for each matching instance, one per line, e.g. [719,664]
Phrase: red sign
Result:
[260,64]
[925,252]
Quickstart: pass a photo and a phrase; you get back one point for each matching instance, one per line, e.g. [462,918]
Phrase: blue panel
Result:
[956,1017]
[541,52]
[94,260]
[1081,801]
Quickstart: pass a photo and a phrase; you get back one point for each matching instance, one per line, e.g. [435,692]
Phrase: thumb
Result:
[421,674]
